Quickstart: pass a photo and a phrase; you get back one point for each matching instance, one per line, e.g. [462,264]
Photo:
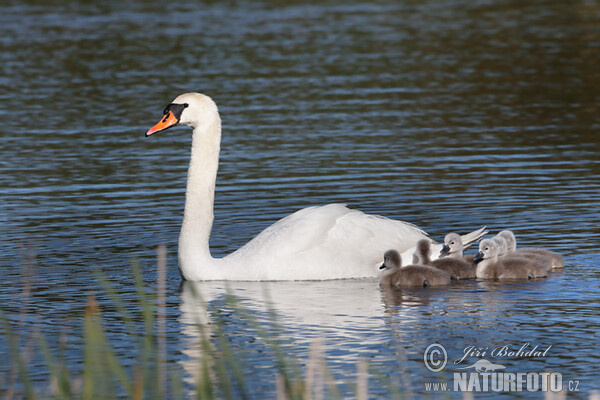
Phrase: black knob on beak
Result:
[445,250]
[478,257]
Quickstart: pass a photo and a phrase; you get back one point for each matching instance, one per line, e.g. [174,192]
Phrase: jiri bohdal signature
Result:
[503,352]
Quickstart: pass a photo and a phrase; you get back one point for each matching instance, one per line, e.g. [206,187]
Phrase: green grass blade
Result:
[16,356]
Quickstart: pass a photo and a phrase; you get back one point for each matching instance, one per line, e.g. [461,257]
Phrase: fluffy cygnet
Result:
[490,267]
[411,275]
[453,248]
[456,267]
[556,260]
[501,245]
[538,259]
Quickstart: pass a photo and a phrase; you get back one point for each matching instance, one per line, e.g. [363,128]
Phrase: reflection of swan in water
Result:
[347,311]
[352,316]
[325,304]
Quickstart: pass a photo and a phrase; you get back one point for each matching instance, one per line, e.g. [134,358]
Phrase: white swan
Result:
[324,242]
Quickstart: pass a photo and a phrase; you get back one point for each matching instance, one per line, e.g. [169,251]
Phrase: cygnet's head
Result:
[391,260]
[501,245]
[487,250]
[452,244]
[511,241]
[189,109]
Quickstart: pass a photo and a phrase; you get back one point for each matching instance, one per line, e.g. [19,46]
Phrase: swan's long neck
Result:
[200,194]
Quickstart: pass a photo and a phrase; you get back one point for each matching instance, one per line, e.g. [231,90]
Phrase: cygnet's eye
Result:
[487,248]
[451,242]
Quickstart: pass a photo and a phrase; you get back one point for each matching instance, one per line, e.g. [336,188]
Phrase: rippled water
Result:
[450,115]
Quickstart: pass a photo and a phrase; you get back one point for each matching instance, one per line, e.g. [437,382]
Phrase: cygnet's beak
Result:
[445,250]
[478,257]
[382,266]
[168,121]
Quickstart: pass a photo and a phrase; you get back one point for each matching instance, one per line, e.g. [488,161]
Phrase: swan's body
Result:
[456,267]
[324,242]
[415,275]
[507,268]
[554,260]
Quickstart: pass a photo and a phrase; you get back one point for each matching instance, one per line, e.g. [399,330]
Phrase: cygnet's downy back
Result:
[554,259]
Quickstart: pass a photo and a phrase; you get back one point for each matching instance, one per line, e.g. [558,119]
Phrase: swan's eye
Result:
[487,248]
[451,242]
[176,109]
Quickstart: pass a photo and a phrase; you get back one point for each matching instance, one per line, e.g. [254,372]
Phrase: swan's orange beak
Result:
[168,121]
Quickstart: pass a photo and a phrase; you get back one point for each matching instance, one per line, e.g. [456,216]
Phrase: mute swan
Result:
[555,259]
[395,275]
[453,248]
[321,242]
[456,267]
[490,267]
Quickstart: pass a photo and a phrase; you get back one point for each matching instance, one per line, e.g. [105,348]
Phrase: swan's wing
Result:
[332,241]
[473,237]
[297,232]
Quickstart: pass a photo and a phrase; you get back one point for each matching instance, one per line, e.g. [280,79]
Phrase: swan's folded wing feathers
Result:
[472,237]
[375,234]
[295,233]
[331,234]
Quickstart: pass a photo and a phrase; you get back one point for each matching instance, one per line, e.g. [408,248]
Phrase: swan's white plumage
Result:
[323,242]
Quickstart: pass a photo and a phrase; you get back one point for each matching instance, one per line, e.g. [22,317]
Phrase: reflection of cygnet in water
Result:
[411,275]
[456,267]
[555,259]
[490,267]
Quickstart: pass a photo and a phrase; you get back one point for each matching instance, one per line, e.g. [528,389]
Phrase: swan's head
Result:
[452,244]
[189,109]
[391,260]
[511,241]
[501,244]
[487,250]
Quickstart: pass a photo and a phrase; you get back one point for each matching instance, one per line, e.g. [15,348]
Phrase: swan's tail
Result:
[473,237]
